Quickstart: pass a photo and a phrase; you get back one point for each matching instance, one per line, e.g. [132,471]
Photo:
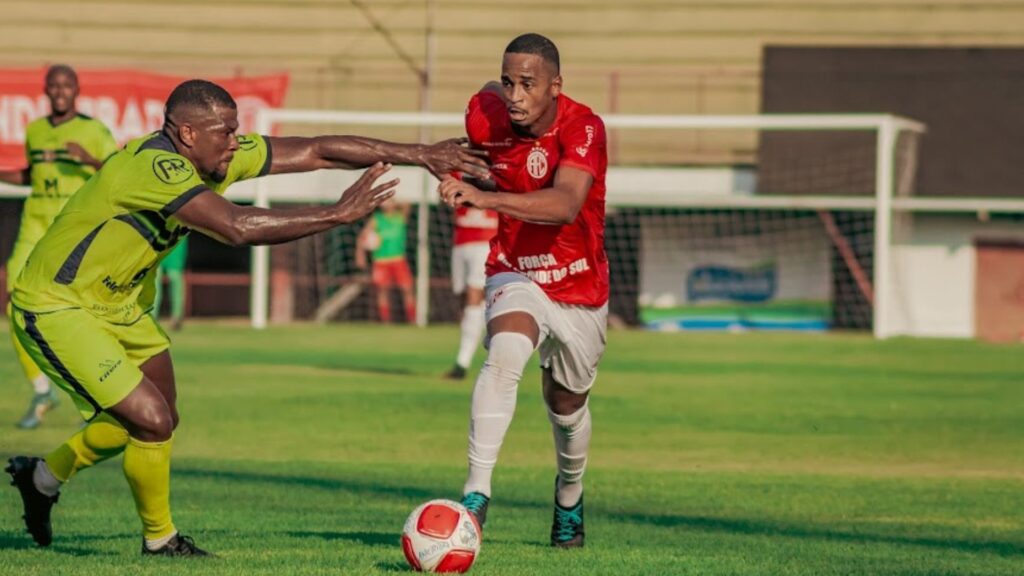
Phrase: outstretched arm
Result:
[237,225]
[558,204]
[297,154]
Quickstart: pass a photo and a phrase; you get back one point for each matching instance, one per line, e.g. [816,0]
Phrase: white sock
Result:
[572,441]
[494,402]
[44,479]
[472,329]
[159,543]
[41,384]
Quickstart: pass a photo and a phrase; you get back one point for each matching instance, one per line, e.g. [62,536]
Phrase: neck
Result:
[62,117]
[172,135]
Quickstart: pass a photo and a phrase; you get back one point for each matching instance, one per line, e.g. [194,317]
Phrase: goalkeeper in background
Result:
[63,150]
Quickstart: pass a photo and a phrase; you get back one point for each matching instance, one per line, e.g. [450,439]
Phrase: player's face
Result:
[531,87]
[215,142]
[62,89]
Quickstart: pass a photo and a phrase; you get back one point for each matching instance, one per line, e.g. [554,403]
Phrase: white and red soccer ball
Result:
[441,536]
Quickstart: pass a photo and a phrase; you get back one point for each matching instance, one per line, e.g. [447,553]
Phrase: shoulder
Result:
[577,114]
[37,126]
[151,163]
[40,122]
[92,123]
[579,121]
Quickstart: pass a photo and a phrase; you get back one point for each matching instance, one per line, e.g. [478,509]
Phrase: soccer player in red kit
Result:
[547,272]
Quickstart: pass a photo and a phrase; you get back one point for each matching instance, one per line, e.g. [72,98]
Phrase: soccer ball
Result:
[441,536]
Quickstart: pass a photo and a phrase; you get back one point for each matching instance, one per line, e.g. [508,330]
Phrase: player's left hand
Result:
[76,151]
[455,192]
[454,155]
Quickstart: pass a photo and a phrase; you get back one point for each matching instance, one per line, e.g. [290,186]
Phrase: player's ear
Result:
[556,86]
[187,134]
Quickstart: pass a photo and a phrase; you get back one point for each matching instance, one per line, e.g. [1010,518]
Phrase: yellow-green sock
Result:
[147,466]
[102,438]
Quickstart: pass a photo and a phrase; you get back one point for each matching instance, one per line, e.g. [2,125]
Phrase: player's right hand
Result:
[363,197]
[455,192]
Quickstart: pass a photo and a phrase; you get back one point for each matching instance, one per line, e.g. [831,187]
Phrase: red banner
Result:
[129,102]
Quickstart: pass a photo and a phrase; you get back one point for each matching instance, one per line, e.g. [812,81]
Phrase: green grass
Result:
[302,450]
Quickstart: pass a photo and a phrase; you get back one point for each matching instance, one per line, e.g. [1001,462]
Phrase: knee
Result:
[154,424]
[509,352]
[560,400]
[565,406]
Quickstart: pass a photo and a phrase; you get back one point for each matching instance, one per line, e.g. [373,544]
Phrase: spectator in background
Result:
[63,150]
[384,236]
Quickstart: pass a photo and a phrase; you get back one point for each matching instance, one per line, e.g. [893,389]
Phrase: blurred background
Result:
[952,261]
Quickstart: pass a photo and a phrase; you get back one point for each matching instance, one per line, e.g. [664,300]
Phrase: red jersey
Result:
[474,225]
[568,261]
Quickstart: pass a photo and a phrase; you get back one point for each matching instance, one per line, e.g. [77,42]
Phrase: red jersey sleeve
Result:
[584,144]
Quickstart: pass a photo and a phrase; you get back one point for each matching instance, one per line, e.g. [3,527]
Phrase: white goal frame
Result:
[886,127]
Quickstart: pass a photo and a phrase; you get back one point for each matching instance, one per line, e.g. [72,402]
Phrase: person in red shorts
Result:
[547,271]
[384,236]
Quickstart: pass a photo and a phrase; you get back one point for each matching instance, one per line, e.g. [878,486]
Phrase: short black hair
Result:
[535,44]
[197,94]
[61,69]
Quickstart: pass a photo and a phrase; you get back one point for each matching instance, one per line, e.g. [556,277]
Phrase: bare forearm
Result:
[254,226]
[545,206]
[360,152]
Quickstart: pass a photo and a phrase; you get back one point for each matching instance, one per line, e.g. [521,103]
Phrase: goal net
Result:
[713,222]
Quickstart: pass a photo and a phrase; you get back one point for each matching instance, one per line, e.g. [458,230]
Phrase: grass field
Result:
[302,450]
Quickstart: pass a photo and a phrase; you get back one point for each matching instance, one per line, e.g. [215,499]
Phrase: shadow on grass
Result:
[743,526]
[393,567]
[372,487]
[355,368]
[364,487]
[19,541]
[364,538]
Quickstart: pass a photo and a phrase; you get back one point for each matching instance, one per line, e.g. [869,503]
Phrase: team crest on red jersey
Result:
[537,163]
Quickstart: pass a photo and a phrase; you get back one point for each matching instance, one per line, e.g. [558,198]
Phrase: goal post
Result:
[887,161]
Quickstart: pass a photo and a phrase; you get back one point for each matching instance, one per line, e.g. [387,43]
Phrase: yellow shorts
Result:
[94,361]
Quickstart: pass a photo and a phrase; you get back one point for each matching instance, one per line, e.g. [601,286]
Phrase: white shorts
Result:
[468,266]
[572,338]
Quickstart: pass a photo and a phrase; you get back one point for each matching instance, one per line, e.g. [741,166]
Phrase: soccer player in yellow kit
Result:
[63,150]
[80,306]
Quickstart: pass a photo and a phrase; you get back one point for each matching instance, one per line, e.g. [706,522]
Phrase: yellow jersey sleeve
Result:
[161,182]
[252,159]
